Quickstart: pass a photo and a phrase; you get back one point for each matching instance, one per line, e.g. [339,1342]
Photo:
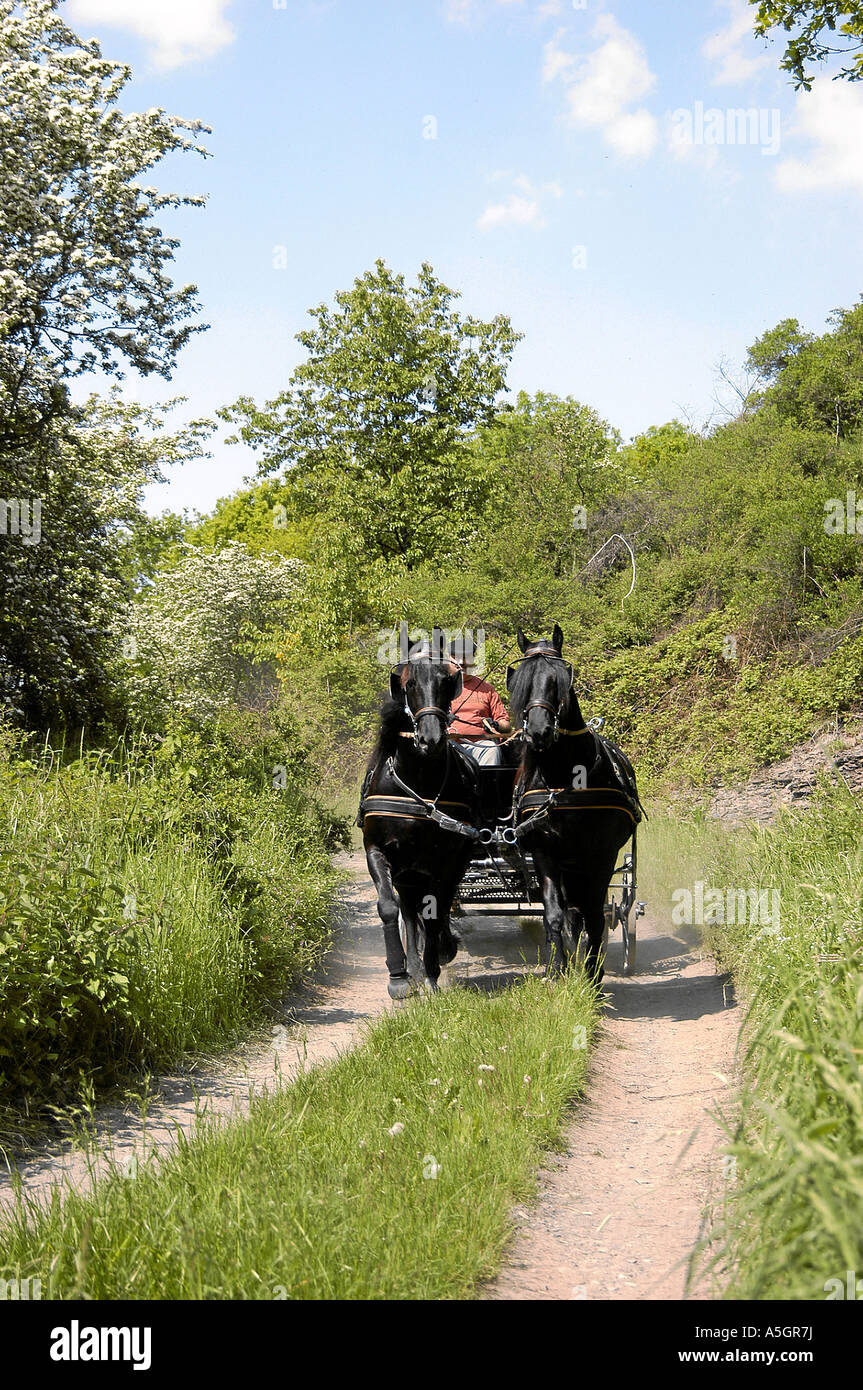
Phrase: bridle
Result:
[550,653]
[446,715]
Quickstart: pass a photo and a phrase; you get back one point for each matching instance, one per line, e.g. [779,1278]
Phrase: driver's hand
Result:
[490,726]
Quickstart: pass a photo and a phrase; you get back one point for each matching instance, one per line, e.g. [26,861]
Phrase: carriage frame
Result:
[501,880]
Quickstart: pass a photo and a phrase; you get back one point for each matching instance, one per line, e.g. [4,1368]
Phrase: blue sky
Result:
[571,165]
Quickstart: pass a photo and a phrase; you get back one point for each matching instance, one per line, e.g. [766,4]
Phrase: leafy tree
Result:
[770,354]
[200,639]
[815,381]
[83,282]
[808,23]
[371,427]
[63,585]
[265,518]
[553,462]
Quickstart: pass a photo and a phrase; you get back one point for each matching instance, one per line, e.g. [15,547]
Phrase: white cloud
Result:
[180,31]
[556,63]
[523,208]
[602,88]
[735,48]
[831,116]
[632,135]
[520,211]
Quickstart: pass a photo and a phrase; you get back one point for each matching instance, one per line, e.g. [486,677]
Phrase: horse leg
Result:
[410,901]
[554,917]
[400,984]
[594,925]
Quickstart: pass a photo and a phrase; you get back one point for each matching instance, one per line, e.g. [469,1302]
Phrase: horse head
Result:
[539,685]
[426,689]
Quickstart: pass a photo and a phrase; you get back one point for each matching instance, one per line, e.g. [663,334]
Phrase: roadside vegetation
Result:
[792,1215]
[153,898]
[388,1174]
[794,1210]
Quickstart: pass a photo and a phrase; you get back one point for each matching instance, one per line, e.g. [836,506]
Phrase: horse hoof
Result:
[400,986]
[449,949]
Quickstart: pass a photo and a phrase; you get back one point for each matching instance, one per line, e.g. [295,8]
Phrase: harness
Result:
[541,801]
[412,806]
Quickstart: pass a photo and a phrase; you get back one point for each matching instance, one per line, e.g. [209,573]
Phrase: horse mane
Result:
[393,721]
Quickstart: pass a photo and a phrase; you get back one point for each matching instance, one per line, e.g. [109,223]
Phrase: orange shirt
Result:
[478,701]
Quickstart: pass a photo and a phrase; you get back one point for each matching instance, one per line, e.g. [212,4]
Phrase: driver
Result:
[479,719]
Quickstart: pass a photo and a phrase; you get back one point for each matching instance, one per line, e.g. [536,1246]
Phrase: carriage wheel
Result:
[630,943]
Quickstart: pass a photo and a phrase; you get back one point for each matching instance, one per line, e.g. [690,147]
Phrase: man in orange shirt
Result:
[479,714]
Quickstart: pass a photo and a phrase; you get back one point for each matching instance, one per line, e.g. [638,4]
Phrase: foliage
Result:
[194,637]
[815,381]
[812,25]
[62,590]
[152,898]
[794,1215]
[370,426]
[82,263]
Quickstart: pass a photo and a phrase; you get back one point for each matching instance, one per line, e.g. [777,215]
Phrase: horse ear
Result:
[458,683]
[510,672]
[522,641]
[396,687]
[557,636]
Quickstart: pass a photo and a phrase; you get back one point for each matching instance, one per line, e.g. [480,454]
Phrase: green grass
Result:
[793,1216]
[314,1196]
[150,905]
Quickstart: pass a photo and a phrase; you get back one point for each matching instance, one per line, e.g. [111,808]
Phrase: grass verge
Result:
[793,1218]
[388,1174]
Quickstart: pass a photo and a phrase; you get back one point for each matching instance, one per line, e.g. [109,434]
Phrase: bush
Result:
[152,899]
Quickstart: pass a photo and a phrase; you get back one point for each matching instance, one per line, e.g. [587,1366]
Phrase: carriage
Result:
[501,880]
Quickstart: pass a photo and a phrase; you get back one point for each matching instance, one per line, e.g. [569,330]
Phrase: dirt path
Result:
[617,1214]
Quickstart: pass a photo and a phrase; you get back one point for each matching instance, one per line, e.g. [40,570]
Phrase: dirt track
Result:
[619,1212]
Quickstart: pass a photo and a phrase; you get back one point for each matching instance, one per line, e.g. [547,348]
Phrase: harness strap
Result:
[541,801]
[421,808]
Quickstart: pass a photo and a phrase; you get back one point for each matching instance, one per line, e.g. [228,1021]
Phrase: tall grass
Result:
[388,1174]
[150,903]
[794,1213]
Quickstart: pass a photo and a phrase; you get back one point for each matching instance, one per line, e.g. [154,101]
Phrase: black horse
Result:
[419,802]
[577,802]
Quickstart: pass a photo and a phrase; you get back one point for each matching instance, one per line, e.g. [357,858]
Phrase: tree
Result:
[264,518]
[558,459]
[371,427]
[68,561]
[83,282]
[199,639]
[817,382]
[808,22]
